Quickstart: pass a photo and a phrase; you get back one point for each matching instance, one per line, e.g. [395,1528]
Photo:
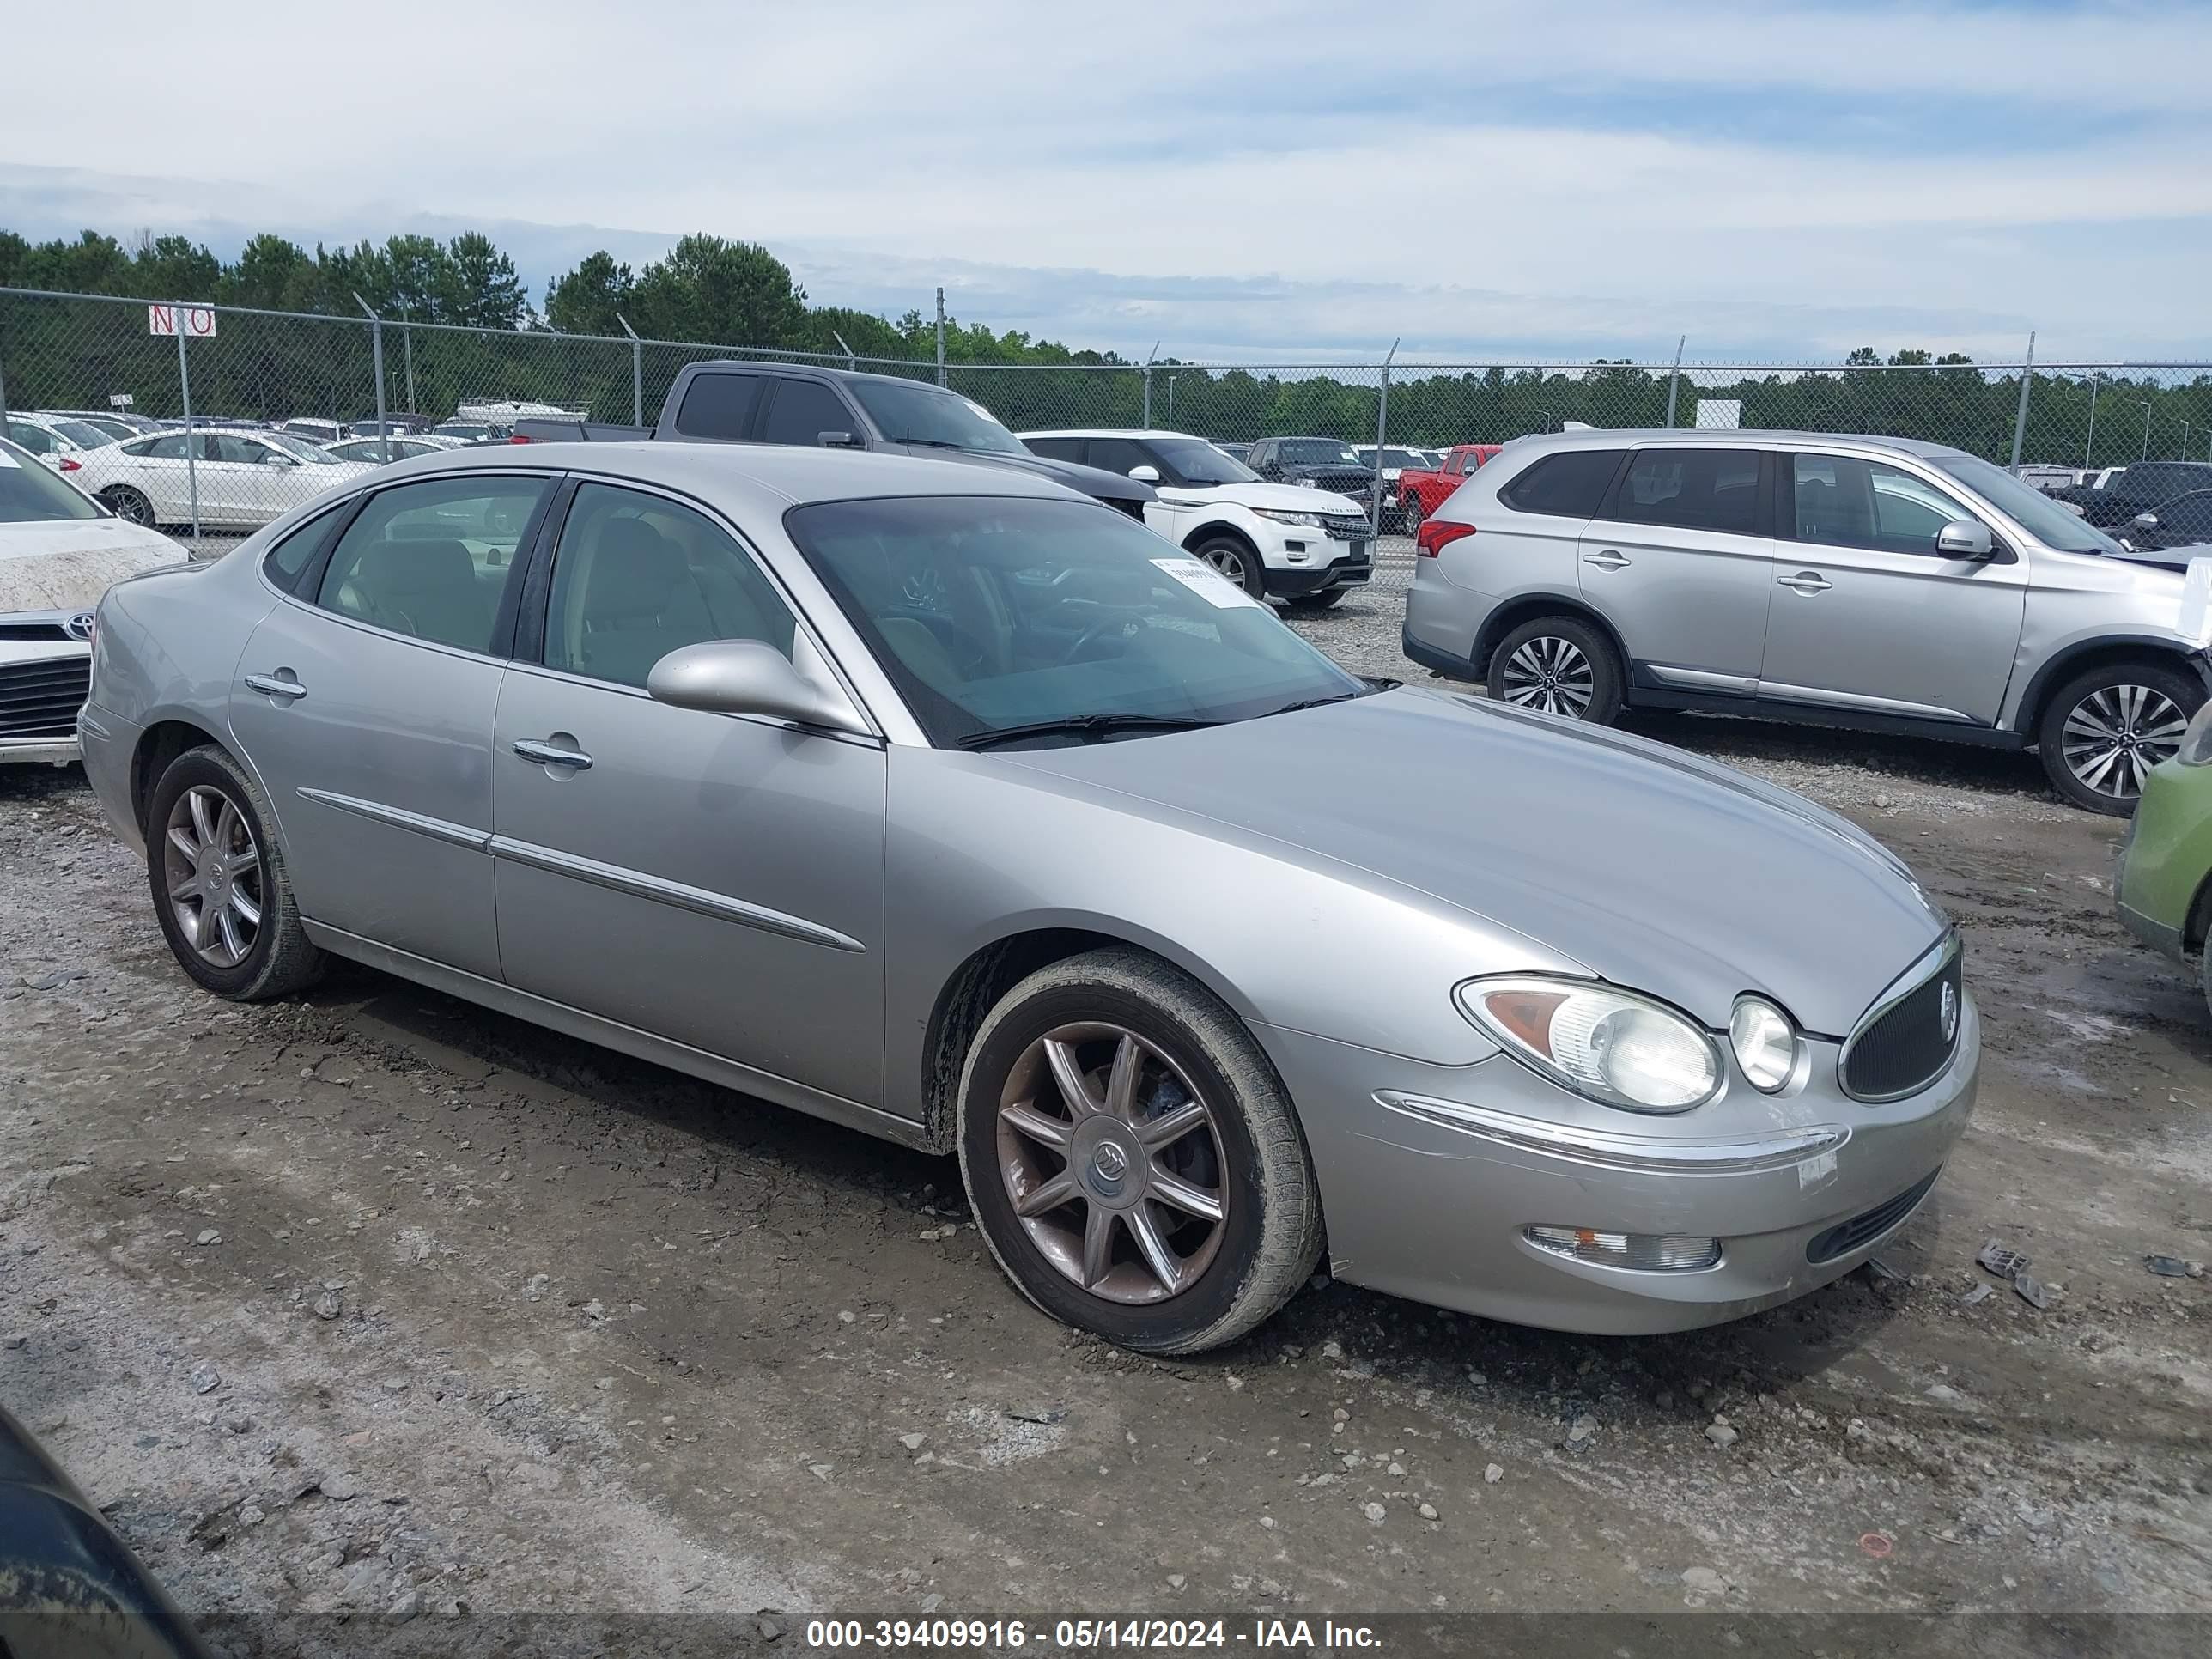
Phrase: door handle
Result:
[280,684]
[1607,560]
[1806,581]
[549,754]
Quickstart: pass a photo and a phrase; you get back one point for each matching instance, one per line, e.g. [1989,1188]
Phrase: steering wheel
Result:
[1116,619]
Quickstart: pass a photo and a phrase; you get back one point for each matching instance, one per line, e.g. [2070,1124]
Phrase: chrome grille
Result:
[40,699]
[1906,1040]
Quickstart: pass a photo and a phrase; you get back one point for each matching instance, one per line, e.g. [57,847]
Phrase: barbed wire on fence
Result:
[93,353]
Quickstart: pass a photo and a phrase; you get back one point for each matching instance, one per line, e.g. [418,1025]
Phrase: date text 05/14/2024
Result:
[1163,1634]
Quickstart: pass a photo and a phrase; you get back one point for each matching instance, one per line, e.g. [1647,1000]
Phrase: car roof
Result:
[1722,438]
[1111,432]
[764,478]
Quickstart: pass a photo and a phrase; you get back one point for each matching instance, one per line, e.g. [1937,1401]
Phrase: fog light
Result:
[1648,1253]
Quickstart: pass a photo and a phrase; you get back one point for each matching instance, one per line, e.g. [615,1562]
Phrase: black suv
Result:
[2138,487]
[1327,463]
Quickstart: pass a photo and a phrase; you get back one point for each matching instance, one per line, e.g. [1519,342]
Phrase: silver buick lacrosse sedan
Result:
[969,813]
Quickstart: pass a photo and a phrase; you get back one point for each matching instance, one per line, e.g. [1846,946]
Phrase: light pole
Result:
[2184,437]
[2146,443]
[2095,378]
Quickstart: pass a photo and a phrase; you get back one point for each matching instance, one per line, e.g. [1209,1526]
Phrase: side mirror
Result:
[1965,538]
[1145,474]
[746,677]
[278,458]
[837,439]
[2145,521]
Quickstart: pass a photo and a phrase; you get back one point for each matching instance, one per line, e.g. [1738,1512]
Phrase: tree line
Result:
[460,325]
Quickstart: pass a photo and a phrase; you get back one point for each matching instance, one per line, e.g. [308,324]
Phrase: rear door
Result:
[1678,560]
[364,703]
[1868,614]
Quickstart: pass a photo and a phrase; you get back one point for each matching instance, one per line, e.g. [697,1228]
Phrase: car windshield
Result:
[2044,518]
[993,612]
[294,445]
[909,412]
[31,495]
[1405,458]
[1313,451]
[462,429]
[1197,462]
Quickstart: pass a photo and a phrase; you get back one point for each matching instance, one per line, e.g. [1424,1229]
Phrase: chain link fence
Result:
[278,399]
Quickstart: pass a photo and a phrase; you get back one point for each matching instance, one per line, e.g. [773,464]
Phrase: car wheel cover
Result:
[1229,561]
[2115,734]
[211,871]
[1550,675]
[1112,1164]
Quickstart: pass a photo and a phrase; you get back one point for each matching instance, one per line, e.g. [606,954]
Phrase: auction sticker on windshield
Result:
[1206,582]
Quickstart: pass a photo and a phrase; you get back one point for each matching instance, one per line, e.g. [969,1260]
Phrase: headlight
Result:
[1765,1042]
[1613,1047]
[1308,520]
[2197,742]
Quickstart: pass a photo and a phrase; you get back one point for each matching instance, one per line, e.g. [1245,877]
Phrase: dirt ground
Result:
[375,1303]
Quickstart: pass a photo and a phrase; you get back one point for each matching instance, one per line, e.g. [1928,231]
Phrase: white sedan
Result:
[245,479]
[372,451]
[59,552]
[56,441]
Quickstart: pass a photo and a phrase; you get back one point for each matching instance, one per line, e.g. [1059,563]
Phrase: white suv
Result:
[1306,547]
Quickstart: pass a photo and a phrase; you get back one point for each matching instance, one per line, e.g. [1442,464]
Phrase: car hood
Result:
[1654,869]
[67,565]
[1095,482]
[1283,498]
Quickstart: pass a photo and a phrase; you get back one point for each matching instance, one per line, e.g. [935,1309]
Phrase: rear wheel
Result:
[128,505]
[1131,1159]
[1559,665]
[1234,558]
[1409,513]
[219,883]
[2105,729]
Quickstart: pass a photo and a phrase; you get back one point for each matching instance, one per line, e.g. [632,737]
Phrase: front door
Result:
[715,879]
[1677,561]
[367,709]
[1869,614]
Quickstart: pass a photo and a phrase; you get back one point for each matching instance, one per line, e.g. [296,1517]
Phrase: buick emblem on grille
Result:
[79,627]
[1948,1012]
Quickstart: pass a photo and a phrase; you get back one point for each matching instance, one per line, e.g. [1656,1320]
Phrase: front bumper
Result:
[1423,1200]
[1352,563]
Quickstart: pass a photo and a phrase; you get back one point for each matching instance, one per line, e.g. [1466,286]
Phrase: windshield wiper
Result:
[1092,726]
[1316,702]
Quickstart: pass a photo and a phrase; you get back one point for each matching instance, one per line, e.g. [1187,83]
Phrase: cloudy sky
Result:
[1244,179]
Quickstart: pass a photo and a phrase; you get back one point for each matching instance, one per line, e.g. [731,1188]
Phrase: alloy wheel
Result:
[130,507]
[1229,561]
[1551,675]
[213,873]
[2115,734]
[1112,1164]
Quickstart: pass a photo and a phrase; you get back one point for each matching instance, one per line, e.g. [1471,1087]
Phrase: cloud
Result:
[1293,177]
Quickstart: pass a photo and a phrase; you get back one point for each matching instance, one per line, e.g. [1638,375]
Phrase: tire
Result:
[2103,729]
[1409,514]
[1234,557]
[1558,664]
[1221,1276]
[206,799]
[129,505]
[1320,601]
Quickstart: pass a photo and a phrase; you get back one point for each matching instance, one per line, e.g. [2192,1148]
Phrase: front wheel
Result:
[1133,1161]
[220,887]
[2104,730]
[1234,558]
[129,505]
[1559,665]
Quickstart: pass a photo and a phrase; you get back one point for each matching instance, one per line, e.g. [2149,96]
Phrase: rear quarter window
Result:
[720,405]
[1569,485]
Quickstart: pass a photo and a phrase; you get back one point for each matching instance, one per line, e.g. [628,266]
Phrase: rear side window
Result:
[1568,486]
[297,549]
[1056,449]
[1691,489]
[432,560]
[720,405]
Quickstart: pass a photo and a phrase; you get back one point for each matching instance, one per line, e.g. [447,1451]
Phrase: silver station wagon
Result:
[964,810]
[1878,583]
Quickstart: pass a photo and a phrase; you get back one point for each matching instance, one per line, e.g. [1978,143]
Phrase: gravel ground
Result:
[372,1306]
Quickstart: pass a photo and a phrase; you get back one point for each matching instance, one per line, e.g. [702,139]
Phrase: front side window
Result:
[992,613]
[432,560]
[2189,516]
[1055,449]
[1691,489]
[1120,454]
[170,447]
[802,410]
[221,446]
[31,495]
[637,576]
[1569,485]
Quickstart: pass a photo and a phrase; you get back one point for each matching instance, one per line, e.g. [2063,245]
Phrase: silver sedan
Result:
[970,813]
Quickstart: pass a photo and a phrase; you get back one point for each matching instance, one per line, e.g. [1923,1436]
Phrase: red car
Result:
[1420,493]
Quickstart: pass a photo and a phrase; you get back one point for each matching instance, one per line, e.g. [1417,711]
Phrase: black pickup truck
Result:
[840,409]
